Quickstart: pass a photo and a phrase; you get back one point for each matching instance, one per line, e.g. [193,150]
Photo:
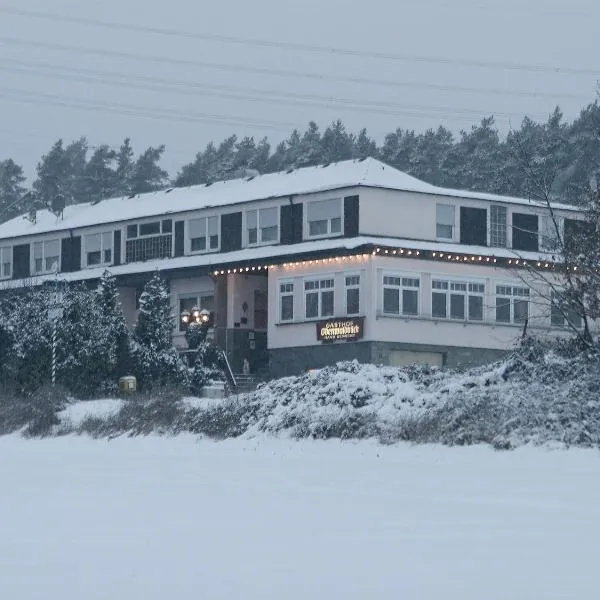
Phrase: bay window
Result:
[98,248]
[400,295]
[459,300]
[204,234]
[318,298]
[324,217]
[262,226]
[46,256]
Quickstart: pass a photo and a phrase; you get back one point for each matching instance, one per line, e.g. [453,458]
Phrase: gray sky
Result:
[262,68]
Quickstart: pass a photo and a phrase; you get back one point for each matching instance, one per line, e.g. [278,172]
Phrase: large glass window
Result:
[400,295]
[458,300]
[286,301]
[318,298]
[444,227]
[98,248]
[203,234]
[262,225]
[563,313]
[149,241]
[352,294]
[498,226]
[46,256]
[6,262]
[473,226]
[324,217]
[512,304]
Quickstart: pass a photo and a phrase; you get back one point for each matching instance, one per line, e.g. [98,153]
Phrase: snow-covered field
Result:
[162,517]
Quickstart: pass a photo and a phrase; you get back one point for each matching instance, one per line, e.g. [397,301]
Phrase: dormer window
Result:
[149,241]
[204,234]
[324,217]
[46,256]
[262,226]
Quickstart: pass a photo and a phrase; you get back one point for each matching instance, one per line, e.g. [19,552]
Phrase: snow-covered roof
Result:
[268,255]
[345,174]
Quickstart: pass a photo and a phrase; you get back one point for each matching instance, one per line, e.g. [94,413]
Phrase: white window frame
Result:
[402,276]
[506,228]
[208,248]
[319,291]
[514,297]
[6,258]
[352,286]
[469,283]
[102,249]
[259,229]
[44,258]
[328,234]
[281,294]
[453,224]
[148,221]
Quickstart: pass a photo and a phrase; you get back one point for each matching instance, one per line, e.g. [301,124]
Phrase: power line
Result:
[263,96]
[242,68]
[294,46]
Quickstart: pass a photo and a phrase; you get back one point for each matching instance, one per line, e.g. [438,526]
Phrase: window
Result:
[473,226]
[286,301]
[400,295]
[525,232]
[98,248]
[204,234]
[457,300]
[204,300]
[562,314]
[149,241]
[352,294]
[444,218]
[512,304]
[318,298]
[324,217]
[5,262]
[262,225]
[549,236]
[498,226]
[46,256]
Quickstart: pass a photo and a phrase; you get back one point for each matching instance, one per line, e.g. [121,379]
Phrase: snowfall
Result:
[183,517]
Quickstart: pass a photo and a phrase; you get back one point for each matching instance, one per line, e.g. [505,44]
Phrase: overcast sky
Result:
[185,72]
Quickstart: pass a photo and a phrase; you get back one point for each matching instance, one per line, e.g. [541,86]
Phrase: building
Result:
[348,260]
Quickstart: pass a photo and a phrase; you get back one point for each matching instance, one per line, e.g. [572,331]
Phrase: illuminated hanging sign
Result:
[335,330]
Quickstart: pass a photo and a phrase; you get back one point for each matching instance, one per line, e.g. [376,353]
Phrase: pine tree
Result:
[99,175]
[336,144]
[310,151]
[156,360]
[11,190]
[147,175]
[364,146]
[125,169]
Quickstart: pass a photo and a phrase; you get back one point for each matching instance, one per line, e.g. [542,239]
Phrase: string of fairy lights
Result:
[480,259]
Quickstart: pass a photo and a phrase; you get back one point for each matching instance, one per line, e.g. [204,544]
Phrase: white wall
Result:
[240,290]
[418,330]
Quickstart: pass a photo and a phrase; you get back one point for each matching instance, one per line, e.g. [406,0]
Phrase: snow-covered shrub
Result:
[43,405]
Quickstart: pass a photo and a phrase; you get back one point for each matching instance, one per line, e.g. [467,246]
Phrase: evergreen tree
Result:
[125,169]
[310,151]
[100,177]
[11,190]
[364,146]
[156,360]
[398,149]
[429,156]
[336,144]
[147,175]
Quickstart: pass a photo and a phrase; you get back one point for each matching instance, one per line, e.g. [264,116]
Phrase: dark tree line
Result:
[555,159]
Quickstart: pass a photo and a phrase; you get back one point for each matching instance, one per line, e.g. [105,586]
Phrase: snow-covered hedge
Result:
[538,395]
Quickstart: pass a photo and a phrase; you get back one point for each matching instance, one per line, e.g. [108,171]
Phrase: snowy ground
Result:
[159,517]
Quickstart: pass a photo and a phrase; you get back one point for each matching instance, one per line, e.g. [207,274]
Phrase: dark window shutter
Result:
[473,226]
[525,232]
[21,264]
[76,253]
[297,216]
[231,232]
[179,238]
[286,224]
[117,247]
[351,216]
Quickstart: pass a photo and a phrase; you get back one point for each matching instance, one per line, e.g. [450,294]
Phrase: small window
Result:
[512,304]
[352,294]
[262,226]
[525,232]
[324,217]
[204,234]
[98,248]
[400,295]
[6,262]
[444,228]
[167,226]
[46,256]
[150,228]
[498,226]
[132,231]
[319,298]
[286,301]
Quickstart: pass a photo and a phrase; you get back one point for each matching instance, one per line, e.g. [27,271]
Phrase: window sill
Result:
[257,245]
[324,236]
[317,319]
[195,252]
